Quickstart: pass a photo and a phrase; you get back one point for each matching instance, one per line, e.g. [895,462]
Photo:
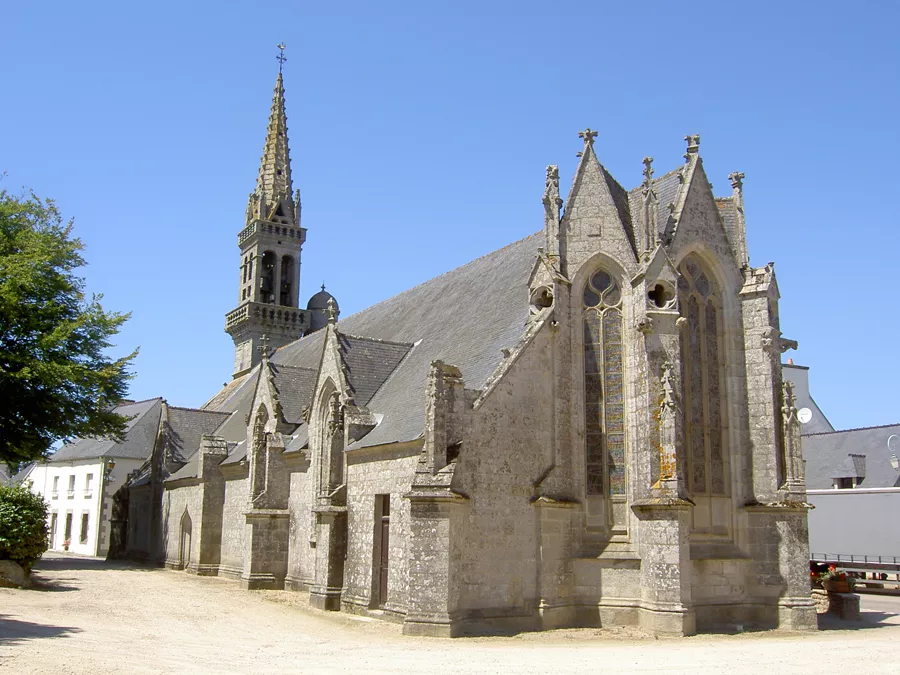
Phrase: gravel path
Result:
[89,616]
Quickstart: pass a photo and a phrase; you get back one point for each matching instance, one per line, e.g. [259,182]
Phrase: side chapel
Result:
[587,427]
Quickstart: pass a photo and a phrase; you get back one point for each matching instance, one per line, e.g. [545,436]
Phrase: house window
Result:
[604,399]
[55,492]
[704,394]
[844,483]
[67,534]
[87,484]
[85,518]
[72,486]
[53,523]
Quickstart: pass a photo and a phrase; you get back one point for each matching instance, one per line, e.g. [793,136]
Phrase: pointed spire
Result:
[274,182]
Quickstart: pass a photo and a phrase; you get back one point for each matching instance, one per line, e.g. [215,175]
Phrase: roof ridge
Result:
[199,410]
[428,281]
[366,338]
[282,365]
[841,431]
[146,400]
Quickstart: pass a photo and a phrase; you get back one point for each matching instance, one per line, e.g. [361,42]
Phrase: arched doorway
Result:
[184,556]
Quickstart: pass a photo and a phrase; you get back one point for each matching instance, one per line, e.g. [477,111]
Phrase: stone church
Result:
[587,427]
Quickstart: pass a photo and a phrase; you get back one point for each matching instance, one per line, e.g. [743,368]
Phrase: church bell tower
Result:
[270,245]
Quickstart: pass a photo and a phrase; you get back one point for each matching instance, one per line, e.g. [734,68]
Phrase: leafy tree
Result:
[55,380]
[23,525]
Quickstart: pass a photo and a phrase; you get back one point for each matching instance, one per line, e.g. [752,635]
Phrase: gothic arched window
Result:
[604,397]
[704,393]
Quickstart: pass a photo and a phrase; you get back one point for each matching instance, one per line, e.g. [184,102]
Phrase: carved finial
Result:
[588,135]
[789,408]
[648,170]
[263,347]
[552,175]
[551,188]
[323,286]
[693,147]
[281,58]
[331,310]
[737,180]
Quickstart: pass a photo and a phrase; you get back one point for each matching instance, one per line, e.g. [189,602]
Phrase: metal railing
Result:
[855,558]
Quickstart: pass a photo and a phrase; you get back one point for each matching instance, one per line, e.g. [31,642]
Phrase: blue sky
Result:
[419,135]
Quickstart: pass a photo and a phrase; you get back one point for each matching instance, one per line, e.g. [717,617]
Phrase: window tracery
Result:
[604,397]
[704,393]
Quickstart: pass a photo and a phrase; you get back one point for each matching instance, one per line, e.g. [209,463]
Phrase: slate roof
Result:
[667,188]
[21,474]
[189,470]
[236,453]
[295,389]
[837,454]
[464,317]
[369,363]
[139,437]
[230,396]
[187,426]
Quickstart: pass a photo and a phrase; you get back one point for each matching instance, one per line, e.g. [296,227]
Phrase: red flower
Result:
[831,568]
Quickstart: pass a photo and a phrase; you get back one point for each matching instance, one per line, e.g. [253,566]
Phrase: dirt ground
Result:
[89,616]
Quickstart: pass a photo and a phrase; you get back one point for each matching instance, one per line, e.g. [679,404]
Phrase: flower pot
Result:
[835,586]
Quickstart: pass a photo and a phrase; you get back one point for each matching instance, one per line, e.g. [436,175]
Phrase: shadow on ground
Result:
[60,563]
[15,632]
[867,619]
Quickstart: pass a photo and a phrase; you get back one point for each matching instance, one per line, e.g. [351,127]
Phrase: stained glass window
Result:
[604,398]
[704,405]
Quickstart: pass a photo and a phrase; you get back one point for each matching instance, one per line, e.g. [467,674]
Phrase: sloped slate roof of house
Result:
[14,479]
[140,434]
[187,426]
[831,455]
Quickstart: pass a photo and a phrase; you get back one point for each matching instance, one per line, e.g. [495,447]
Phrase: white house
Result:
[79,480]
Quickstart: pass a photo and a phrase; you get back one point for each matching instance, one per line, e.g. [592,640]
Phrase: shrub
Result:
[23,525]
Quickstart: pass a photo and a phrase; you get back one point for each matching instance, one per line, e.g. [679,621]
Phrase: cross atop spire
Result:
[588,135]
[263,347]
[281,58]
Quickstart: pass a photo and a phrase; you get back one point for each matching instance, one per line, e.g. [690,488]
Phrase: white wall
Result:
[858,522]
[81,500]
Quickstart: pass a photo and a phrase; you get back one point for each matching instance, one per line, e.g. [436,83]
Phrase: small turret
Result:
[322,307]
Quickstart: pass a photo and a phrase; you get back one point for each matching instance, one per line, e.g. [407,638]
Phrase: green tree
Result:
[23,525]
[55,380]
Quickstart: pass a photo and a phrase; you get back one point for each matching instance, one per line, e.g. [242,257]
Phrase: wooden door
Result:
[384,553]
